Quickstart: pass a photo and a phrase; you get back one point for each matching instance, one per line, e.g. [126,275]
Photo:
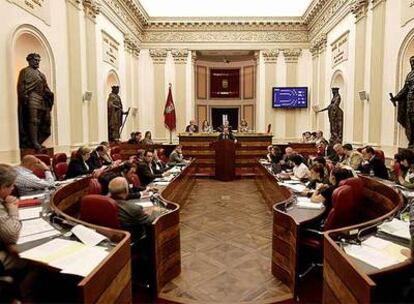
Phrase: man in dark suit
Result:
[373,164]
[96,158]
[146,171]
[192,127]
[226,132]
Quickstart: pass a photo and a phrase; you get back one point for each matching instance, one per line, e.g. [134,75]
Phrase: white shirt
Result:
[301,171]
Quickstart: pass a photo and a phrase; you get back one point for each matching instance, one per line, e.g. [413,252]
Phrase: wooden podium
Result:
[225,159]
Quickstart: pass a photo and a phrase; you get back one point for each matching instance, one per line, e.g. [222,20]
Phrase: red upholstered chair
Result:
[74,154]
[59,158]
[94,186]
[44,158]
[39,173]
[99,210]
[60,170]
[161,155]
[380,154]
[135,180]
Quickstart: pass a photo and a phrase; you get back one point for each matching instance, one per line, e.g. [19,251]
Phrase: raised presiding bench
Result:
[251,146]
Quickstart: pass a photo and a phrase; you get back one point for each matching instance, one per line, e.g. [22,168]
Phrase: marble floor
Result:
[225,247]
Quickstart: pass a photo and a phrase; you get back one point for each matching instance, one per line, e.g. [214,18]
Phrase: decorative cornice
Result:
[224,36]
[159,56]
[180,55]
[138,11]
[131,45]
[376,2]
[292,55]
[270,56]
[359,8]
[92,8]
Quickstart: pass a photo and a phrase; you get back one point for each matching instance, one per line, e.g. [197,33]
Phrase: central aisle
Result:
[225,247]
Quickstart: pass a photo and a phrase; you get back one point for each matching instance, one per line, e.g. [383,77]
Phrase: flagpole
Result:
[170,86]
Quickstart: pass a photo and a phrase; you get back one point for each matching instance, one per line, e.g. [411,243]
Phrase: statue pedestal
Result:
[29,151]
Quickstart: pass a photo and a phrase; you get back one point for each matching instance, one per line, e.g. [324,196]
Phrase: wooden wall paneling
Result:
[248,115]
[202,114]
[248,82]
[201,76]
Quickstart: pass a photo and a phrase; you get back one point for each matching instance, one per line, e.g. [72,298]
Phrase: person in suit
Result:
[96,159]
[192,127]
[176,156]
[226,132]
[353,158]
[136,138]
[158,165]
[77,165]
[373,164]
[146,172]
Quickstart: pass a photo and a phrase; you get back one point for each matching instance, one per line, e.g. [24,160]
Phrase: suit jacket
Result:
[378,166]
[94,161]
[145,175]
[158,166]
[175,158]
[195,127]
[76,168]
[229,136]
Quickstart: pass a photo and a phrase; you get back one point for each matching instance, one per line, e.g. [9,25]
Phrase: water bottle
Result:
[371,172]
[46,204]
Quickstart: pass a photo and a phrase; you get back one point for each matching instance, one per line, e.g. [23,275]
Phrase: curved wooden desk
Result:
[111,282]
[348,280]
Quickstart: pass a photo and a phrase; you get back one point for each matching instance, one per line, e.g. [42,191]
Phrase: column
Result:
[359,9]
[180,57]
[159,56]
[131,57]
[322,99]
[271,115]
[315,86]
[91,10]
[190,98]
[291,59]
[75,43]
[377,71]
[260,93]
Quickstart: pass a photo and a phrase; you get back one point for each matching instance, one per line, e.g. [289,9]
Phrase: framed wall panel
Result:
[201,76]
[202,114]
[248,82]
[248,115]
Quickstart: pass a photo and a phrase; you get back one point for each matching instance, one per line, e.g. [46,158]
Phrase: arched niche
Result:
[338,81]
[111,80]
[25,40]
[403,68]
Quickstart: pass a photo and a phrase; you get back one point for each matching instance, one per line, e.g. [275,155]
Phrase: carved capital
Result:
[92,8]
[131,45]
[376,2]
[359,8]
[292,55]
[159,56]
[314,51]
[180,55]
[270,56]
[193,57]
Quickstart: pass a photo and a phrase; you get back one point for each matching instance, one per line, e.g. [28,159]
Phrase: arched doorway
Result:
[403,68]
[27,39]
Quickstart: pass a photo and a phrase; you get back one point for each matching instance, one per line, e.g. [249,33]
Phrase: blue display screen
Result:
[294,97]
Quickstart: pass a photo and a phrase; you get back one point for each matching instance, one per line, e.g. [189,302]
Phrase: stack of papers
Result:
[305,203]
[377,252]
[87,236]
[294,187]
[39,196]
[70,256]
[36,229]
[397,228]
[29,213]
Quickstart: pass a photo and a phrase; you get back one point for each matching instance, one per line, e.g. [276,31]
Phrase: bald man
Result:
[132,217]
[27,182]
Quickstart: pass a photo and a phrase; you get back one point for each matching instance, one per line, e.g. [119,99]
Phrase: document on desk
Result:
[39,196]
[295,187]
[87,236]
[161,183]
[397,228]
[304,202]
[377,252]
[70,256]
[29,213]
[36,229]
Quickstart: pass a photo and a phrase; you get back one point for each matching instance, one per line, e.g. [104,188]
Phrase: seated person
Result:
[405,175]
[132,217]
[97,158]
[300,170]
[135,139]
[77,165]
[313,137]
[320,139]
[107,159]
[340,153]
[158,165]
[10,229]
[275,155]
[192,127]
[27,181]
[286,161]
[316,177]
[206,128]
[140,155]
[322,161]
[373,164]
[306,137]
[244,127]
[176,156]
[145,171]
[147,139]
[353,158]
[226,133]
[323,192]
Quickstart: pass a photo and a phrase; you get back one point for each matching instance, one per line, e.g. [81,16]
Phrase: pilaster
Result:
[270,57]
[260,92]
[180,57]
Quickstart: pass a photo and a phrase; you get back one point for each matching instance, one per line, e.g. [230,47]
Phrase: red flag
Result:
[169,112]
